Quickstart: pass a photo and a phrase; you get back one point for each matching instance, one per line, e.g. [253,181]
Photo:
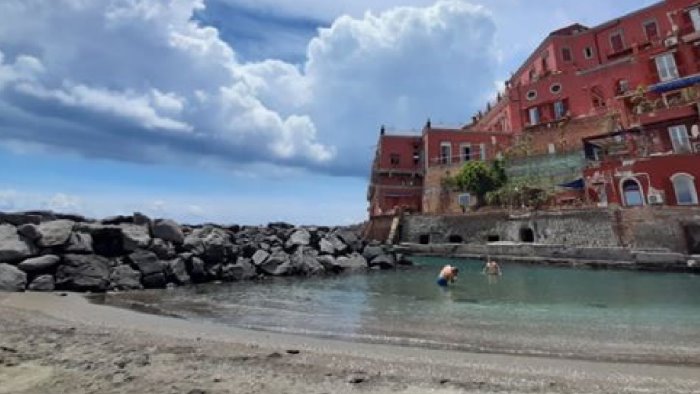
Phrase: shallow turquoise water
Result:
[611,315]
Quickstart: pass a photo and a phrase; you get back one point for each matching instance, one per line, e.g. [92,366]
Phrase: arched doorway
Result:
[424,239]
[455,239]
[527,235]
[632,193]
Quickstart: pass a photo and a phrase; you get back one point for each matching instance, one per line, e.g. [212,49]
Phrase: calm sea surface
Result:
[558,312]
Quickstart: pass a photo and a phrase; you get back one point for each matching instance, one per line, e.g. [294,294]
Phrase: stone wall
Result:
[648,228]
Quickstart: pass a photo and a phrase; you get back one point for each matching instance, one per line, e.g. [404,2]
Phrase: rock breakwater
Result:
[45,251]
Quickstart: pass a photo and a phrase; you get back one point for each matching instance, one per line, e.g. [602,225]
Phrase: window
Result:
[531,95]
[588,52]
[555,88]
[545,61]
[466,152]
[464,199]
[566,54]
[666,66]
[559,109]
[679,139]
[534,114]
[651,29]
[551,148]
[695,18]
[445,153]
[395,158]
[632,193]
[532,75]
[482,150]
[684,186]
[616,42]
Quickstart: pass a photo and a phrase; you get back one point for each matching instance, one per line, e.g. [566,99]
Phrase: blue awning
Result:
[675,84]
[578,184]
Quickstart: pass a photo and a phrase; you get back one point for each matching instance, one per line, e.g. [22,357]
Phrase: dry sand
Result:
[64,344]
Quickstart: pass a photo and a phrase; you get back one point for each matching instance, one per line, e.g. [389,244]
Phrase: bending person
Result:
[447,275]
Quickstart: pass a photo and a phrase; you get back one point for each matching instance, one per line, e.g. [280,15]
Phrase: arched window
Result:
[632,193]
[684,186]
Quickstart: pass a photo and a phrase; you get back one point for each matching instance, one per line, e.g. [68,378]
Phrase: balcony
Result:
[648,108]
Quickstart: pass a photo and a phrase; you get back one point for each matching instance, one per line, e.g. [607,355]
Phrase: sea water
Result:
[533,310]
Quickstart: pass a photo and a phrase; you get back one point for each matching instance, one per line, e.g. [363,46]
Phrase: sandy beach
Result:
[64,344]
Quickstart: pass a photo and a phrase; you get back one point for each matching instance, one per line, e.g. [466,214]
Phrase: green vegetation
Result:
[479,178]
[521,192]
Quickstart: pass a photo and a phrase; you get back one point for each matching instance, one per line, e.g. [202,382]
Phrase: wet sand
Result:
[57,344]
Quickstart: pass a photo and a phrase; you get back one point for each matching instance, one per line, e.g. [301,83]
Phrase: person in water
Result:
[492,268]
[447,275]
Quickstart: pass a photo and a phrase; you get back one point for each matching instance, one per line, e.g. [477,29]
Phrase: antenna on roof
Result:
[428,124]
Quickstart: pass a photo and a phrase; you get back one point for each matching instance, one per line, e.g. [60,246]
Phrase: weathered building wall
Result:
[646,228]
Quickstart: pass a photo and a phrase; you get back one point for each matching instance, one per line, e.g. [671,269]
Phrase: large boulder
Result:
[80,243]
[168,230]
[55,233]
[278,264]
[353,262]
[12,247]
[339,246]
[83,273]
[18,219]
[326,247]
[107,240]
[212,243]
[299,237]
[177,271]
[29,231]
[372,251]
[259,257]
[152,270]
[197,269]
[383,261]
[39,264]
[11,278]
[43,283]
[306,264]
[165,250]
[124,277]
[242,270]
[329,263]
[135,236]
[350,238]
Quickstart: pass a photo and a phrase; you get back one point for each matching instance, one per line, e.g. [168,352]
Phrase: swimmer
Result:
[448,274]
[492,268]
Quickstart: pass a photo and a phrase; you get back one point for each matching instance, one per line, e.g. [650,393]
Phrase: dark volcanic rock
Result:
[278,264]
[339,246]
[18,219]
[12,247]
[152,269]
[299,237]
[135,236]
[371,252]
[79,243]
[165,250]
[329,263]
[306,264]
[11,278]
[83,273]
[242,270]
[124,277]
[140,219]
[197,271]
[39,264]
[167,230]
[43,283]
[107,240]
[55,233]
[384,261]
[212,244]
[259,257]
[326,247]
[29,231]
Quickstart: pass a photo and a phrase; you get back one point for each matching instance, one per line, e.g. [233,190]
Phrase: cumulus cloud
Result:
[142,80]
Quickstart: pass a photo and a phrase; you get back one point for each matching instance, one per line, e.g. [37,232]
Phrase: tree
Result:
[478,178]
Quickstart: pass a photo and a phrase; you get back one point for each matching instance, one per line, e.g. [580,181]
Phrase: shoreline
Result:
[329,365]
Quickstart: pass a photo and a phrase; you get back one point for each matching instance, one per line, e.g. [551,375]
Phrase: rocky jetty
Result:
[45,251]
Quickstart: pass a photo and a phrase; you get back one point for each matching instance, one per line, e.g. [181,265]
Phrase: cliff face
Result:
[44,251]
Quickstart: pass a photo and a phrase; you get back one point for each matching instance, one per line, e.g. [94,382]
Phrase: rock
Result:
[152,269]
[177,270]
[116,220]
[165,250]
[168,230]
[43,283]
[384,261]
[259,257]
[11,278]
[371,252]
[403,260]
[242,270]
[154,281]
[39,264]
[29,231]
[79,243]
[329,263]
[326,247]
[197,271]
[18,219]
[55,233]
[135,237]
[350,238]
[280,225]
[83,273]
[212,243]
[12,247]
[125,278]
[278,264]
[306,264]
[338,245]
[106,240]
[299,237]
[140,219]
[352,262]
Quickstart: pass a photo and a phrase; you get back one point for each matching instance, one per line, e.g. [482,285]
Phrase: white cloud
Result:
[61,202]
[127,79]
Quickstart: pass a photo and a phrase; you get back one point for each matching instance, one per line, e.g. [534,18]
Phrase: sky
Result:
[242,111]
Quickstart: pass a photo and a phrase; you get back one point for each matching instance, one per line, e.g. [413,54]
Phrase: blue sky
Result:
[241,111]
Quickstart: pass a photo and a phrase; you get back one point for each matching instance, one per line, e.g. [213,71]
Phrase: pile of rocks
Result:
[44,251]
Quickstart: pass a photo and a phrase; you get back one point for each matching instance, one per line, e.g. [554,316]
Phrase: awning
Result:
[675,84]
[578,184]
